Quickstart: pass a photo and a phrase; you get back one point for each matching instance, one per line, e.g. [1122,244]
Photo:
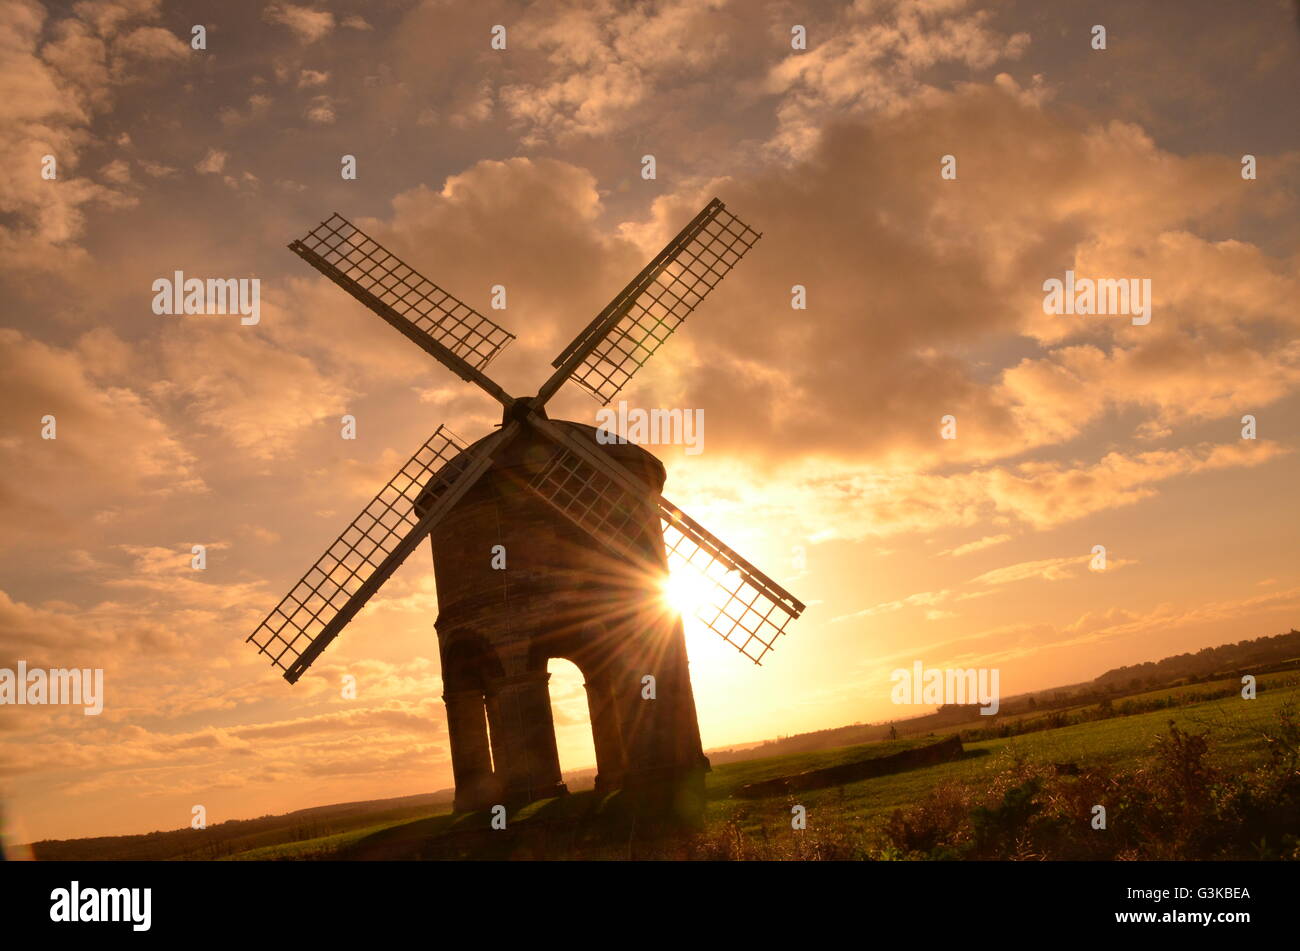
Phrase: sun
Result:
[686,592]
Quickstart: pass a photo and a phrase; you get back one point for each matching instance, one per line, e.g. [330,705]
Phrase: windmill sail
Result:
[626,334]
[370,549]
[596,503]
[744,607]
[438,322]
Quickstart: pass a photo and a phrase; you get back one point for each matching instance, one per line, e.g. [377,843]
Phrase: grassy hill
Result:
[242,835]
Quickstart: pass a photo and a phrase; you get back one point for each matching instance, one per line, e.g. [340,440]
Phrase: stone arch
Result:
[598,660]
[572,718]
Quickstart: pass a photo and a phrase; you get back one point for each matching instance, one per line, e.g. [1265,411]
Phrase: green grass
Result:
[1281,680]
[322,847]
[1274,681]
[1119,741]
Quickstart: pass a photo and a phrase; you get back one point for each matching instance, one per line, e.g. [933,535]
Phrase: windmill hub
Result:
[519,408]
[545,542]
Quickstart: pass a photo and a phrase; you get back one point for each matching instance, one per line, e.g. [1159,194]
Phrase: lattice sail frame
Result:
[388,285]
[594,502]
[397,514]
[656,306]
[744,607]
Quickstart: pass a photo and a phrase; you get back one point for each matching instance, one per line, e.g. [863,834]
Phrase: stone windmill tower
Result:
[546,543]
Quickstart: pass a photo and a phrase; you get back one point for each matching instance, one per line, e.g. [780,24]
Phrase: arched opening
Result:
[572,715]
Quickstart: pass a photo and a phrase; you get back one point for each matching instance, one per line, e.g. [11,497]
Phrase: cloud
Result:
[312,77]
[151,42]
[1045,569]
[872,58]
[907,275]
[475,107]
[308,24]
[1178,628]
[58,74]
[560,263]
[920,599]
[258,397]
[836,499]
[603,64]
[49,90]
[157,169]
[212,163]
[348,722]
[259,104]
[101,427]
[1050,493]
[117,171]
[108,16]
[978,545]
[321,111]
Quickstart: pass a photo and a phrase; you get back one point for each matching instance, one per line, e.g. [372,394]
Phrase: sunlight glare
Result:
[686,592]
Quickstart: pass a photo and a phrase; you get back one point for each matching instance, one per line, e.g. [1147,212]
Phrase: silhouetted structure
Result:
[517,583]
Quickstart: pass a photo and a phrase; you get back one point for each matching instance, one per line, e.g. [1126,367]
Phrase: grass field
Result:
[572,826]
[1118,741]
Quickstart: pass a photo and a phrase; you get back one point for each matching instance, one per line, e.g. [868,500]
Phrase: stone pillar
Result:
[638,717]
[523,737]
[688,752]
[471,754]
[611,759]
[693,747]
[661,736]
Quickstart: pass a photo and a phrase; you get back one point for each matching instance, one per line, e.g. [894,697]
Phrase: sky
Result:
[824,460]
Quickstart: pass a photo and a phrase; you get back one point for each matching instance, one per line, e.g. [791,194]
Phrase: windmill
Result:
[546,543]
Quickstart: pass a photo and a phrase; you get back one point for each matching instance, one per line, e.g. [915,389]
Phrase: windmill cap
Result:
[629,454]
